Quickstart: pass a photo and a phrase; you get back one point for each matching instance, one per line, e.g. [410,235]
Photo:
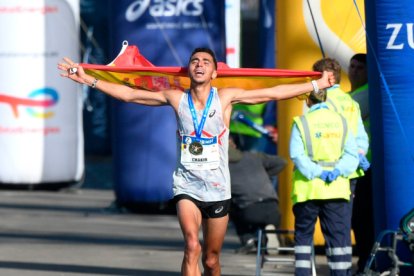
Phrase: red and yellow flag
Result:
[133,69]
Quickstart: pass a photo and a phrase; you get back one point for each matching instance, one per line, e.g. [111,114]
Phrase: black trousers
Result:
[334,216]
[257,215]
[363,219]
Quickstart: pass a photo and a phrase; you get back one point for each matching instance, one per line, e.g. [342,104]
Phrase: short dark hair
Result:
[205,50]
[318,97]
[360,57]
[330,65]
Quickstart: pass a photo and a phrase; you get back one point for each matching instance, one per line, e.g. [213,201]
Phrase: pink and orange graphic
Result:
[34,106]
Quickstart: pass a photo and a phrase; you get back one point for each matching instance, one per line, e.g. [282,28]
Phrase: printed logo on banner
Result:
[36,102]
[164,8]
[397,39]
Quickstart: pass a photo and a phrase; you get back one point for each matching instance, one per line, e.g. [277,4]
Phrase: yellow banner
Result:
[308,30]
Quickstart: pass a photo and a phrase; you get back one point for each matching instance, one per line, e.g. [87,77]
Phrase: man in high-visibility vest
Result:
[245,136]
[363,214]
[358,76]
[324,152]
[343,103]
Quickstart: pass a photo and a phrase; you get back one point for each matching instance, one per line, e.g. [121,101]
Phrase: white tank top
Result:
[204,185]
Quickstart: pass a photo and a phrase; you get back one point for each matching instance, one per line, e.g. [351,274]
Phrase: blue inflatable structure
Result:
[391,82]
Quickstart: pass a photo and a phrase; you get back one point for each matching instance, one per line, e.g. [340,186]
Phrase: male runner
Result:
[201,179]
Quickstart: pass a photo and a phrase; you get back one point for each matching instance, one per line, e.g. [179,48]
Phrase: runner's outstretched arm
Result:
[118,91]
[279,92]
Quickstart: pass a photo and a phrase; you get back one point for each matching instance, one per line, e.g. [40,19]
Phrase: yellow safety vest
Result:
[253,113]
[343,103]
[324,133]
[366,121]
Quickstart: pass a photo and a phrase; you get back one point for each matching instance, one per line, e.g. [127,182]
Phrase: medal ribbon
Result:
[199,128]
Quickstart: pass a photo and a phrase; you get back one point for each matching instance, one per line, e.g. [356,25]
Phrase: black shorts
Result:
[213,209]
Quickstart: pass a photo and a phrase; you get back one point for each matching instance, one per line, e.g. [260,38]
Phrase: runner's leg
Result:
[214,230]
[189,217]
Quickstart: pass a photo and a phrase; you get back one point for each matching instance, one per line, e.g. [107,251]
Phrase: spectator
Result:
[343,103]
[362,214]
[255,203]
[245,137]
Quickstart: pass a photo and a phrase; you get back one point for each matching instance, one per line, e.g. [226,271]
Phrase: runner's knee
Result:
[211,261]
[193,246]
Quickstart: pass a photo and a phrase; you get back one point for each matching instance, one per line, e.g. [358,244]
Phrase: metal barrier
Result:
[282,258]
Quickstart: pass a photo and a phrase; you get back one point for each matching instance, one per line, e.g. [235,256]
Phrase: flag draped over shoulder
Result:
[133,69]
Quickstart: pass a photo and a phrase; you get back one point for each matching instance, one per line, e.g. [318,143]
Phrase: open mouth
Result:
[199,72]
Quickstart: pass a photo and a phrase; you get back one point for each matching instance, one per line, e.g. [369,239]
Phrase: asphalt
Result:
[79,232]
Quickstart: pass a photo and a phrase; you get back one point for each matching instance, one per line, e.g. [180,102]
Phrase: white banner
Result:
[41,138]
[233,24]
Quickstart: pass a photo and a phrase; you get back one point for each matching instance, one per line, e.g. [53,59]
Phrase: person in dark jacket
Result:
[255,202]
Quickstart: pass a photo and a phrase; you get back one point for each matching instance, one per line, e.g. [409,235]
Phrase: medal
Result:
[196,148]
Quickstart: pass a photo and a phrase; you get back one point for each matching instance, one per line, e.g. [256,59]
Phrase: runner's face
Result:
[201,68]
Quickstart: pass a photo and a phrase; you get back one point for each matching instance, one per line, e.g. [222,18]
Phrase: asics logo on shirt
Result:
[212,113]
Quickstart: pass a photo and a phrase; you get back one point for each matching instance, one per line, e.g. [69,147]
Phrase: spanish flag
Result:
[133,69]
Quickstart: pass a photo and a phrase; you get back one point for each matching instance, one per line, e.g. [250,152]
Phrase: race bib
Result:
[200,153]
